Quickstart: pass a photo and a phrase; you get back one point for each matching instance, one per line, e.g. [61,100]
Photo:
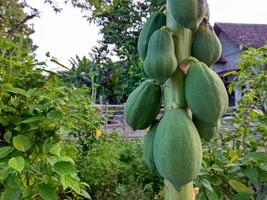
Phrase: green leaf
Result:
[207,184]
[70,182]
[85,194]
[22,143]
[4,173]
[11,194]
[212,195]
[239,187]
[3,121]
[17,91]
[56,115]
[242,196]
[251,173]
[56,149]
[47,192]
[64,168]
[8,136]
[32,119]
[13,181]
[257,156]
[17,163]
[4,151]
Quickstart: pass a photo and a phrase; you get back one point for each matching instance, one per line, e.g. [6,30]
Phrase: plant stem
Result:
[174,94]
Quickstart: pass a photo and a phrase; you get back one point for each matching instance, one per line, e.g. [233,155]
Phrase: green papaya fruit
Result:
[188,13]
[143,105]
[148,145]
[160,62]
[155,21]
[177,148]
[205,131]
[205,93]
[206,46]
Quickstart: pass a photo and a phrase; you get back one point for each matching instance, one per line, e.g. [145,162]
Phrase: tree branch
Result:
[17,26]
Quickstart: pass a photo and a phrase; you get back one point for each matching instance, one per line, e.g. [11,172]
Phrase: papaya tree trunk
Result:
[174,94]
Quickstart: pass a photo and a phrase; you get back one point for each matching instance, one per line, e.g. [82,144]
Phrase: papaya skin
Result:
[188,13]
[143,105]
[177,148]
[205,93]
[154,22]
[148,145]
[160,63]
[206,46]
[206,131]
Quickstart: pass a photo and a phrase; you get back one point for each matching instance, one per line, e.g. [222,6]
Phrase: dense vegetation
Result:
[52,145]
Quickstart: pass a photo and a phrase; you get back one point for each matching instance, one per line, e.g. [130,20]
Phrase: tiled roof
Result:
[249,35]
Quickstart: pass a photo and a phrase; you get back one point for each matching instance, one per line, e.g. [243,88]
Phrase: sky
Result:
[68,34]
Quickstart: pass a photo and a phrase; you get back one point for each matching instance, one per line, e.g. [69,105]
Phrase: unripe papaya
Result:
[155,21]
[206,47]
[160,62]
[205,131]
[205,93]
[177,148]
[143,105]
[148,145]
[188,13]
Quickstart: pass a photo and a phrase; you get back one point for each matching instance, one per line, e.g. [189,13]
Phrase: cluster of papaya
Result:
[173,143]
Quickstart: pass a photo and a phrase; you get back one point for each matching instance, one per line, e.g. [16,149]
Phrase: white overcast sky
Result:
[67,34]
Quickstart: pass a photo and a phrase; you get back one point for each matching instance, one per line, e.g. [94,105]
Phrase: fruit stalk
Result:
[174,94]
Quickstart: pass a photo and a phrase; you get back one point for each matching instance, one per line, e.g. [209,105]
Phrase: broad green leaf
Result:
[85,194]
[4,151]
[11,194]
[215,180]
[257,156]
[17,163]
[47,192]
[67,158]
[251,173]
[56,149]
[242,196]
[22,143]
[13,181]
[70,182]
[8,136]
[56,115]
[207,184]
[64,168]
[4,173]
[17,91]
[212,195]
[3,121]
[239,187]
[32,119]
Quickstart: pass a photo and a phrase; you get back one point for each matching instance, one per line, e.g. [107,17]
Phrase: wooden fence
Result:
[115,120]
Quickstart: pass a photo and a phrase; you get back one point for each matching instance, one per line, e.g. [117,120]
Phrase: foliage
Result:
[235,162]
[114,168]
[13,23]
[107,82]
[38,116]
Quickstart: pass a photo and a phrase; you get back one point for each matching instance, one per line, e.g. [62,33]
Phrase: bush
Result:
[40,122]
[114,168]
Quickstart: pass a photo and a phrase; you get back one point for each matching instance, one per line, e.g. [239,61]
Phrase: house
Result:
[236,38]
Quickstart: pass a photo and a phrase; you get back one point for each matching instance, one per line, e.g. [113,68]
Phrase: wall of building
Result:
[230,52]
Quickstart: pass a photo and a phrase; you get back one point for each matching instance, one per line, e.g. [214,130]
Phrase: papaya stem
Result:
[174,94]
